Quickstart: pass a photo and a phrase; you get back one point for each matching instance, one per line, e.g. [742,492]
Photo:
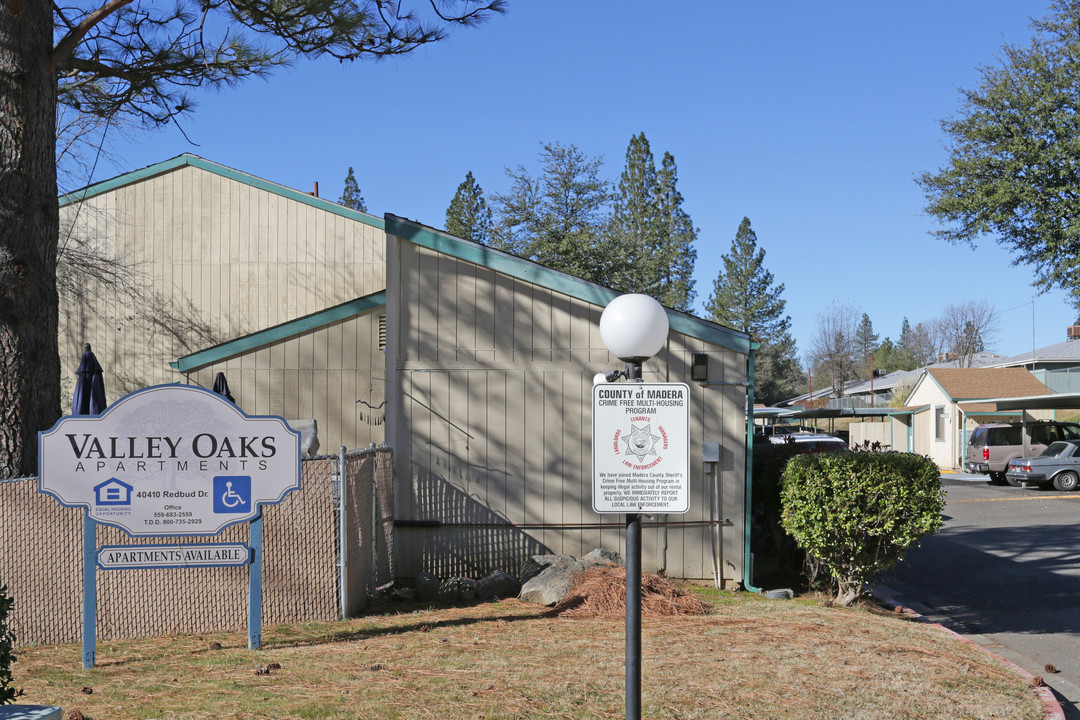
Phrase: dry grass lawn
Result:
[748,657]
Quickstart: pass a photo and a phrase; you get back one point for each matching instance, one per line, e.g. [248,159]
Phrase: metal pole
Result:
[374,521]
[255,578]
[633,617]
[633,595]
[343,542]
[89,633]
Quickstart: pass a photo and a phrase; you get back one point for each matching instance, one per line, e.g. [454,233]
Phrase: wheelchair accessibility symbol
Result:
[232,494]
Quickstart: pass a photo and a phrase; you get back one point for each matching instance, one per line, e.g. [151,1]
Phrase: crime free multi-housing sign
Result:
[170,460]
[641,448]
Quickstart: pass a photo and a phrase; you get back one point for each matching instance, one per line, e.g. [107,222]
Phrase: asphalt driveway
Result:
[1005,571]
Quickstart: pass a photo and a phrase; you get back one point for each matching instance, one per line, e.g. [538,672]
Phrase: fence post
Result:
[374,532]
[343,542]
[89,630]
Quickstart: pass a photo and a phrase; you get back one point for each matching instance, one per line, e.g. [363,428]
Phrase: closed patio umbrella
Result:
[221,387]
[89,386]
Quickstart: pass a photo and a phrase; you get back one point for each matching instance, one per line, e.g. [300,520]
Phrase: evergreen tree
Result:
[653,233]
[885,357]
[744,296]
[468,215]
[866,342]
[916,348]
[675,261]
[635,222]
[351,197]
[777,375]
[557,219]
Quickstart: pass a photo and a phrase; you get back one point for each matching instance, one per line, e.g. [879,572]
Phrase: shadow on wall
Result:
[459,536]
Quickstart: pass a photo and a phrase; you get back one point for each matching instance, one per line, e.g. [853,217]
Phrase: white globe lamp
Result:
[634,327]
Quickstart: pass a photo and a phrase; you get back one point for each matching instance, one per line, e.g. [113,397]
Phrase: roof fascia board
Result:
[225,172]
[560,282]
[280,332]
[941,387]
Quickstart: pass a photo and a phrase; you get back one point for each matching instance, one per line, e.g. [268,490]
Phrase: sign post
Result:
[641,465]
[169,460]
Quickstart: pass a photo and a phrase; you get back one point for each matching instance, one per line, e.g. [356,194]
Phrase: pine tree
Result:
[885,357]
[557,219]
[777,375]
[351,197]
[675,261]
[866,343]
[468,215]
[635,222]
[744,296]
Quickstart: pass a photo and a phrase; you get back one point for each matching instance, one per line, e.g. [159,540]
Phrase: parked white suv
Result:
[992,446]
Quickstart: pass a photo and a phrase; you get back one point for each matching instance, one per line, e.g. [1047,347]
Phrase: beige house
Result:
[475,366]
[947,403]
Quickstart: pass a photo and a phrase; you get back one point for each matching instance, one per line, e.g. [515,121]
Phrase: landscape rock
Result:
[548,579]
[427,586]
[539,563]
[457,589]
[603,555]
[498,585]
[403,594]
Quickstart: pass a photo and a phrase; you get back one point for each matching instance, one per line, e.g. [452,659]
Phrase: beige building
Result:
[947,403]
[475,366]
[490,361]
[209,256]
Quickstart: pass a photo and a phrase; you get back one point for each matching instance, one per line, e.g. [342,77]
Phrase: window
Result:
[939,423]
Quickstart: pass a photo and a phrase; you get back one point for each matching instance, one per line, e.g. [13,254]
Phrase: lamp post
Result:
[633,328]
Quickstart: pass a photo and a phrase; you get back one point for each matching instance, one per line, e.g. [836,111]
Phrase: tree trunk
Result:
[29,358]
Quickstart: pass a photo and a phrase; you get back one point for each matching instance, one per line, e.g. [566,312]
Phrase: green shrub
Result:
[859,512]
[8,693]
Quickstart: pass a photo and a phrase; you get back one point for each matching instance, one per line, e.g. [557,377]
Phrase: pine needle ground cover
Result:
[745,657]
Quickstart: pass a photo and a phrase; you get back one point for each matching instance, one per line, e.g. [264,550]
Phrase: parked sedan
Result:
[1059,465]
[810,441]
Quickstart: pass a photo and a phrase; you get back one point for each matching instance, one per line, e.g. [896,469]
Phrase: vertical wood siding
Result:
[492,425]
[327,374]
[213,259]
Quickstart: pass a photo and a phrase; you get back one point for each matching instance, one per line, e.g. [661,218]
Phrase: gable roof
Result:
[984,383]
[277,333]
[188,160]
[555,280]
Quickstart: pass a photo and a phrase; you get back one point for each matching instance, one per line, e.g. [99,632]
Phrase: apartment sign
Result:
[641,447]
[170,460]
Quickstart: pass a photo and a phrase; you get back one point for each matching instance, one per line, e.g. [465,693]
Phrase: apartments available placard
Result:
[641,447]
[170,460]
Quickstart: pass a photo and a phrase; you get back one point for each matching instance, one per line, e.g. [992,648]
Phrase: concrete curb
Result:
[1052,709]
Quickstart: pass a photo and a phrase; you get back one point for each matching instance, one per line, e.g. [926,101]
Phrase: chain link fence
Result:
[308,573]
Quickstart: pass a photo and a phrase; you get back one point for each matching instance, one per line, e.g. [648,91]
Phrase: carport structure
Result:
[1009,409]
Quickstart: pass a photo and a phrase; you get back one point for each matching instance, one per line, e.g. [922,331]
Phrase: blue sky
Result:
[811,119]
